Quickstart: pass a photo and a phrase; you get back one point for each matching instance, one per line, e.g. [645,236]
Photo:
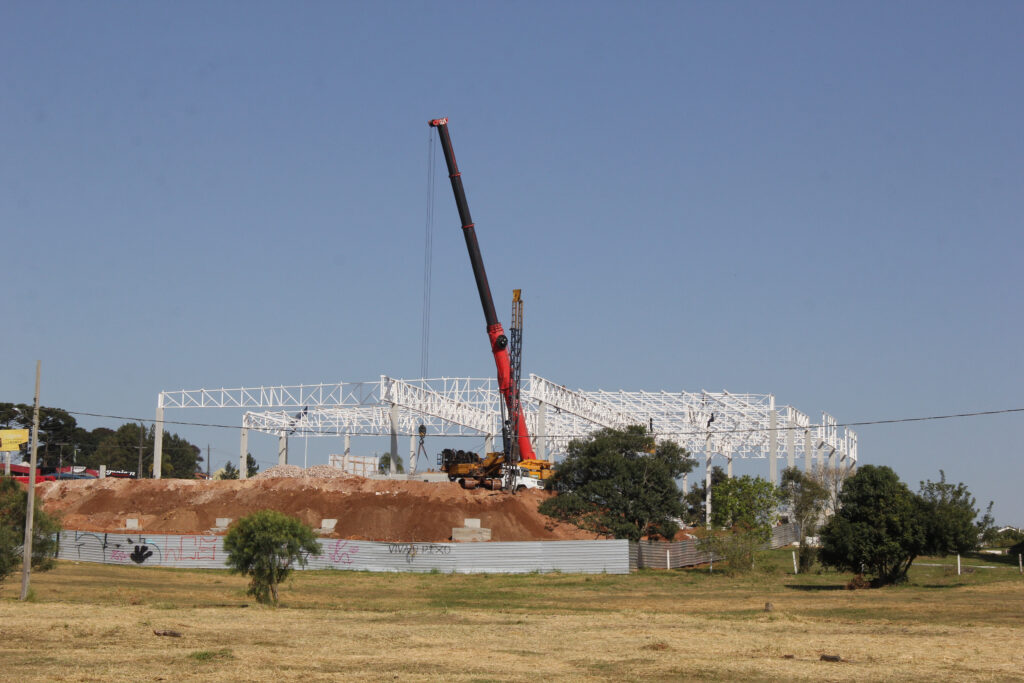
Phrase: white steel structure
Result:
[721,424]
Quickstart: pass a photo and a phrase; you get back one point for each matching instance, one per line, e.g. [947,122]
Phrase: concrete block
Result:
[223,522]
[467,535]
[328,524]
[471,523]
[131,523]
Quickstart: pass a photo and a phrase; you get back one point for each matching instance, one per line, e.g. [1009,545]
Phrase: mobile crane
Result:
[517,446]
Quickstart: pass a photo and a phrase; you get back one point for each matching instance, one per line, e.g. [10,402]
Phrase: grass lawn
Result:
[95,623]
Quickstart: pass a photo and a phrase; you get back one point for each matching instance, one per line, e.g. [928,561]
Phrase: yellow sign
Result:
[11,439]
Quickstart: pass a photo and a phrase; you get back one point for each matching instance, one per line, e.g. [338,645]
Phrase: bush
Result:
[265,546]
[737,547]
[13,502]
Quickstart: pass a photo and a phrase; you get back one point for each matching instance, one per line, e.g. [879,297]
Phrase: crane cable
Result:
[428,254]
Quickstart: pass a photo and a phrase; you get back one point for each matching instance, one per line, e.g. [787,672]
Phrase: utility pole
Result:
[208,461]
[26,566]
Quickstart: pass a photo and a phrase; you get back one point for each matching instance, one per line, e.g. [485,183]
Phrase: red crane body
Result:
[495,332]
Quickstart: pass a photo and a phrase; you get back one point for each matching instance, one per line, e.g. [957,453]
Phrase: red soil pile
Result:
[366,509]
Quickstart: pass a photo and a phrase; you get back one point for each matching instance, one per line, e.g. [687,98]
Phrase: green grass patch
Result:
[211,655]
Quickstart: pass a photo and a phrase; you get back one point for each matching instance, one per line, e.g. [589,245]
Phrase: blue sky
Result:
[817,200]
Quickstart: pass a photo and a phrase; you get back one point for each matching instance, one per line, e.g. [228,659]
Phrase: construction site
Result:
[526,424]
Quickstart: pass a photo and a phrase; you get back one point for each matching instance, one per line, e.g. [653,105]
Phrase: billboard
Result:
[11,439]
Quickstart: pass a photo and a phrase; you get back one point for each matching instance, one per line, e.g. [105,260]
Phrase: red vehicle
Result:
[21,473]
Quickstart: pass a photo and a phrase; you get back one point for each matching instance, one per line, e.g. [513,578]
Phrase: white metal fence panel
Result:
[207,552]
[669,555]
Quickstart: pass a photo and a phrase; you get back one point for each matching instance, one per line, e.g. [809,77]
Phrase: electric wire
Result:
[861,423]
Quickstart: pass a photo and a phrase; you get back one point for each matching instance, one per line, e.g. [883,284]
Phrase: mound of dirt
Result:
[366,509]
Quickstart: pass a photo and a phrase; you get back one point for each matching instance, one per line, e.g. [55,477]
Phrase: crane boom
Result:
[495,332]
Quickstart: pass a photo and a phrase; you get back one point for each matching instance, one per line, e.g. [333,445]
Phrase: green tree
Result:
[745,502]
[617,482]
[949,515]
[384,464]
[229,471]
[120,451]
[13,502]
[57,430]
[11,416]
[743,510]
[987,530]
[265,546]
[806,498]
[696,499]
[878,530]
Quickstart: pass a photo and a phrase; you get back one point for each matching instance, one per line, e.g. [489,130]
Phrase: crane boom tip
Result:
[434,123]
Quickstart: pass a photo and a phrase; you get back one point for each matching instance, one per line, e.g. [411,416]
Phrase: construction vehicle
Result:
[516,439]
[470,470]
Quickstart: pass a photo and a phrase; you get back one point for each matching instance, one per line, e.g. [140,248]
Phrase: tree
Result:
[831,478]
[229,471]
[264,546]
[618,482]
[988,533]
[949,515]
[806,498]
[13,501]
[743,509]
[384,464]
[878,528]
[251,468]
[120,451]
[57,429]
[745,502]
[696,499]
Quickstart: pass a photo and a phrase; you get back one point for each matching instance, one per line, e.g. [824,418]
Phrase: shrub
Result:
[265,546]
[13,502]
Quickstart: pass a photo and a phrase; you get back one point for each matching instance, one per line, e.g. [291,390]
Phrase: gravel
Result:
[296,472]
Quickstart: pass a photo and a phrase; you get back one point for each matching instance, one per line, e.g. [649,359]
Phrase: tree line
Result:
[63,442]
[623,484]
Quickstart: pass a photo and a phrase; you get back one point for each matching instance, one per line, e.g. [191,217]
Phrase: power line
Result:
[660,433]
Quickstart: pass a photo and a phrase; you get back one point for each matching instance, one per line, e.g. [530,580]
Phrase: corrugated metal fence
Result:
[588,557]
[661,555]
[207,552]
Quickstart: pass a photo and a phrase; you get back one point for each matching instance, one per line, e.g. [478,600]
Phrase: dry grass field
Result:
[96,623]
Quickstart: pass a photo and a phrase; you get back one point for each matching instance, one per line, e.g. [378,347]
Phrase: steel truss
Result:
[709,423]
